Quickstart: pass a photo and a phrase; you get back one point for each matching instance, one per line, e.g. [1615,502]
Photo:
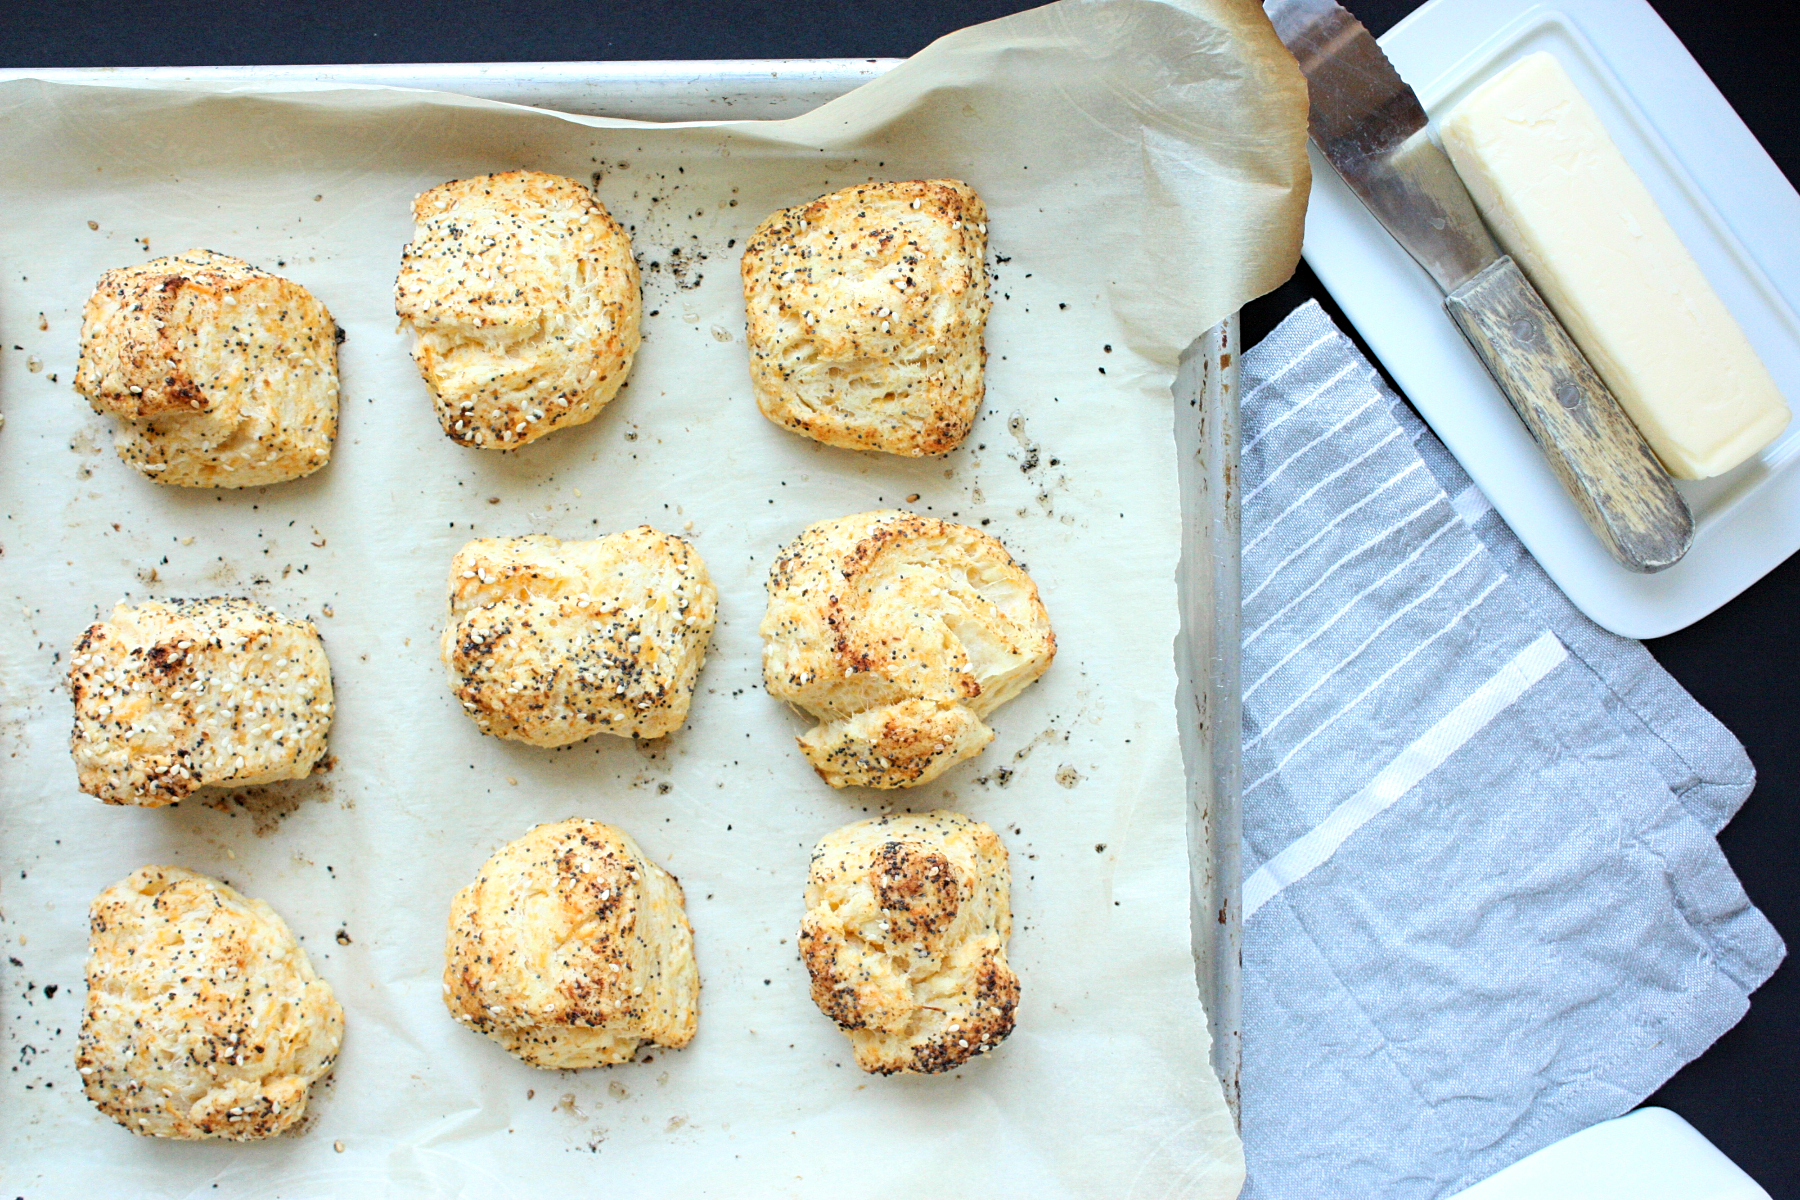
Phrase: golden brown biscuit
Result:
[572,949]
[523,295]
[204,1018]
[171,696]
[221,374]
[907,919]
[866,313]
[899,634]
[550,642]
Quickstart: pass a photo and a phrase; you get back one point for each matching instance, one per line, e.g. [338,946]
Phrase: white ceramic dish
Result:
[1730,205]
[1651,1154]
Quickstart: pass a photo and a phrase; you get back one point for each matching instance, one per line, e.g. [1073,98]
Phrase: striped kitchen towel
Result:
[1484,907]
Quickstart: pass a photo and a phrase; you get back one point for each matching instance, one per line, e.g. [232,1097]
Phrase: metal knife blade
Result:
[1372,128]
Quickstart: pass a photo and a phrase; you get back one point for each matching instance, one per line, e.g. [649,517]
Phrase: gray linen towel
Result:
[1484,907]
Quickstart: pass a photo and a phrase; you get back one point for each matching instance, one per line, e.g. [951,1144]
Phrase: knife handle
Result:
[1603,461]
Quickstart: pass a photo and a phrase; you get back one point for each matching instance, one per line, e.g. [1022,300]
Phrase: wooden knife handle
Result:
[1603,461]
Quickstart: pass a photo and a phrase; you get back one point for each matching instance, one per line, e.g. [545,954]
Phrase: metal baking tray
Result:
[1211,696]
[1205,415]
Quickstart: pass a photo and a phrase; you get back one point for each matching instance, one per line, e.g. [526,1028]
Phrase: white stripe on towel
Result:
[1341,663]
[1373,539]
[1313,849]
[1311,396]
[1351,603]
[1293,362]
[1418,464]
[1314,489]
[1386,675]
[1283,465]
[1471,505]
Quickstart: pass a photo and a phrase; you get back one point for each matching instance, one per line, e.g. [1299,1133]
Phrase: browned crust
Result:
[171,672]
[149,353]
[527,984]
[781,251]
[857,634]
[996,988]
[220,992]
[934,930]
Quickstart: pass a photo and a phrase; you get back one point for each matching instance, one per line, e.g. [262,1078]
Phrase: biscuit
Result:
[220,374]
[571,949]
[171,696]
[523,296]
[550,642]
[203,1018]
[907,919]
[866,310]
[899,634]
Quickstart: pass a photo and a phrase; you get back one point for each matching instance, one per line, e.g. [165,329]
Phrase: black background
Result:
[1742,662]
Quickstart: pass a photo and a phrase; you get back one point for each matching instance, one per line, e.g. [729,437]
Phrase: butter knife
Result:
[1370,126]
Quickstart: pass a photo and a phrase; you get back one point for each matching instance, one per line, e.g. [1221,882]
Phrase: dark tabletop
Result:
[1742,662]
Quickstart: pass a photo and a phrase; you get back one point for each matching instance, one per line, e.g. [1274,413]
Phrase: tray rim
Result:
[1211,699]
[651,90]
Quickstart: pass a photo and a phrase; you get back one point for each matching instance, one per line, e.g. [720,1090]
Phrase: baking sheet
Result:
[1143,166]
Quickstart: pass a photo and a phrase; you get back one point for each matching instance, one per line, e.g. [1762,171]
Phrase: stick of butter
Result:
[1563,202]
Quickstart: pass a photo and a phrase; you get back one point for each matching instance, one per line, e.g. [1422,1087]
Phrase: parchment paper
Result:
[1143,164]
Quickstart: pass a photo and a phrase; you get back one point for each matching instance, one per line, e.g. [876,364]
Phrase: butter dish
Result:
[1731,208]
